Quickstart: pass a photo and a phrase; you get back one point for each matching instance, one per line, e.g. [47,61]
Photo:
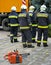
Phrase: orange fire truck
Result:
[5,6]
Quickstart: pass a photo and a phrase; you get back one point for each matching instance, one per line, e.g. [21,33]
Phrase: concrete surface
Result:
[38,55]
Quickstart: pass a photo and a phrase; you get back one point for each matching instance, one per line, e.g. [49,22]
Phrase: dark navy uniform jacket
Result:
[42,20]
[13,19]
[24,20]
[33,19]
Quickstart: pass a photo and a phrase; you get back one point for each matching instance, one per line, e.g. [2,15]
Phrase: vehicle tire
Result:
[5,24]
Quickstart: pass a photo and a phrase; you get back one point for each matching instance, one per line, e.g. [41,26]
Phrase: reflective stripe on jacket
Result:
[42,20]
[24,20]
[13,19]
[33,19]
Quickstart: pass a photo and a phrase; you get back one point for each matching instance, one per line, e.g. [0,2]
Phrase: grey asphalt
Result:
[38,55]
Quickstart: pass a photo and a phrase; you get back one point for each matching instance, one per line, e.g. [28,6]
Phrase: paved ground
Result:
[38,55]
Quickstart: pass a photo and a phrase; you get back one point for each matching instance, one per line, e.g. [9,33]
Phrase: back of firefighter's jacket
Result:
[13,19]
[43,20]
[24,20]
[33,18]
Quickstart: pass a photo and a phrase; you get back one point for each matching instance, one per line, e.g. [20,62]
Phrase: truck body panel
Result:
[5,5]
[5,9]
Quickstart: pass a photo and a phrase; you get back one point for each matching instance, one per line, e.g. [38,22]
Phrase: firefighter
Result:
[13,23]
[43,21]
[24,21]
[34,23]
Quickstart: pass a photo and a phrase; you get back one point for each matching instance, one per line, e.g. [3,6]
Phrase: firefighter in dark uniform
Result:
[34,23]
[43,21]
[24,21]
[13,23]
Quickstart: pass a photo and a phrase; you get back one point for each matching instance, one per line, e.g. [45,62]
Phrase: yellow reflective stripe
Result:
[44,41]
[14,24]
[23,42]
[42,15]
[11,34]
[31,9]
[28,43]
[34,24]
[15,37]
[30,14]
[30,24]
[13,17]
[39,41]
[8,23]
[22,15]
[42,26]
[24,27]
[33,38]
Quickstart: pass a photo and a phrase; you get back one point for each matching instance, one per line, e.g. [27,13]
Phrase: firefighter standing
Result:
[24,21]
[13,23]
[42,19]
[34,23]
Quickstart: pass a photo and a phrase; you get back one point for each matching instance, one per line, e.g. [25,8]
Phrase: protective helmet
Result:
[23,7]
[31,7]
[13,8]
[43,8]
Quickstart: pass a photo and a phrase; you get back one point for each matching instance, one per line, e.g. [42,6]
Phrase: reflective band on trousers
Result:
[24,27]
[11,34]
[39,41]
[14,24]
[33,38]
[42,26]
[44,41]
[34,24]
[28,43]
[12,16]
[15,37]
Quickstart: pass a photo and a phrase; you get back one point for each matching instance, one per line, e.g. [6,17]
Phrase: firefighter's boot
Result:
[45,45]
[38,44]
[30,46]
[11,39]
[24,45]
[15,40]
